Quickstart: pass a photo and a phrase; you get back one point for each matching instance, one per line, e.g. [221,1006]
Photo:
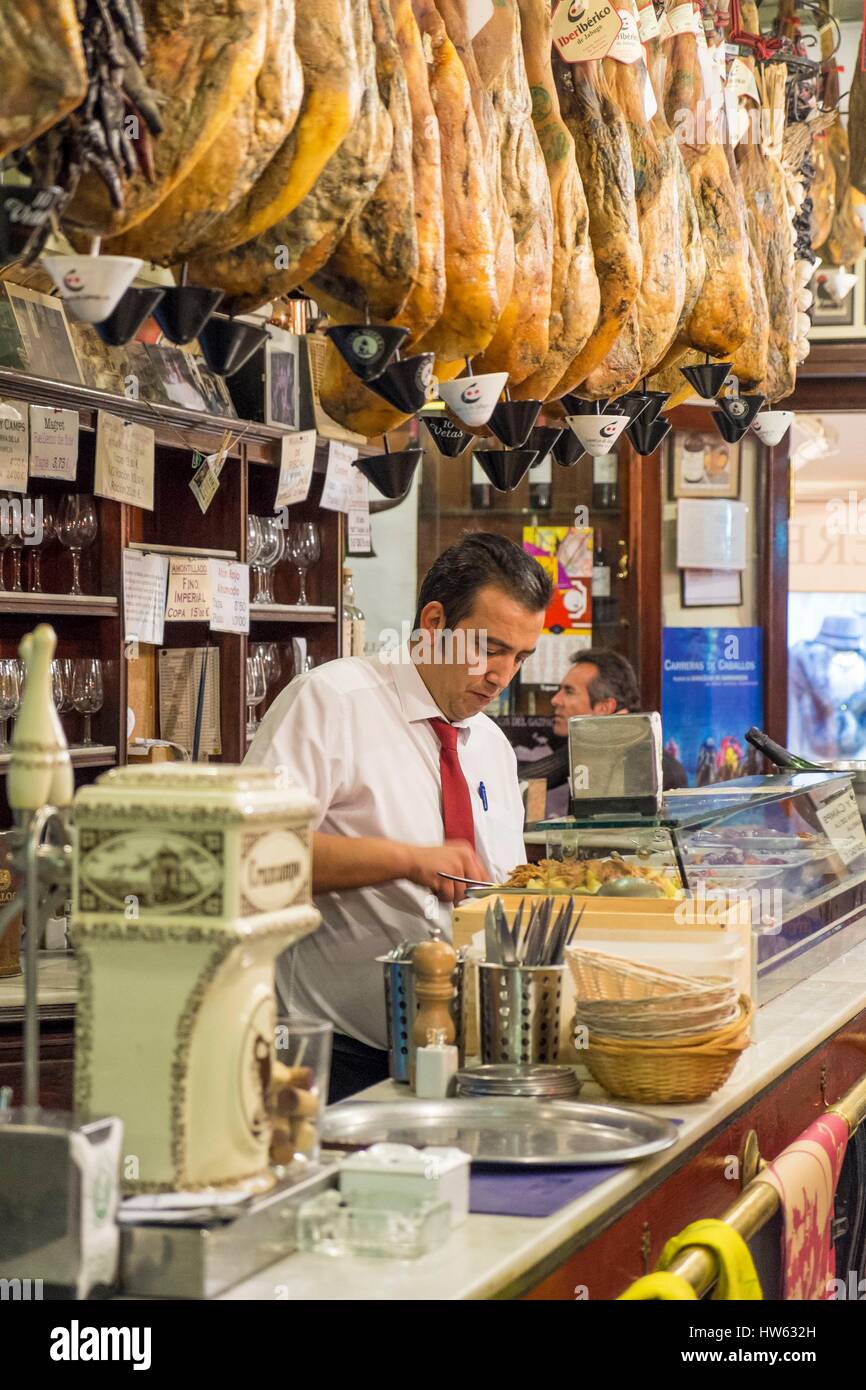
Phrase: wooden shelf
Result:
[72,605]
[292,613]
[94,755]
[542,517]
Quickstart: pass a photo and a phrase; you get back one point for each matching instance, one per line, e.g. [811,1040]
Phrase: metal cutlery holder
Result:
[520,1012]
[401,1007]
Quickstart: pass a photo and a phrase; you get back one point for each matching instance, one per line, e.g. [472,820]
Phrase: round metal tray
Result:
[510,1132]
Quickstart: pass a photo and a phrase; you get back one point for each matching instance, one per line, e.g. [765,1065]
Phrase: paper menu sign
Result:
[339,479]
[188,599]
[229,584]
[14,441]
[359,540]
[552,657]
[843,825]
[179,671]
[144,583]
[297,456]
[583,30]
[711,534]
[53,443]
[627,46]
[124,461]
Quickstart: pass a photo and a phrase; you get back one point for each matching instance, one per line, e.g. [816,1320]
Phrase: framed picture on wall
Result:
[841,319]
[282,379]
[704,465]
[46,348]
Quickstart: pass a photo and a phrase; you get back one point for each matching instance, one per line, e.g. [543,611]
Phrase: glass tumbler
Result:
[302,1049]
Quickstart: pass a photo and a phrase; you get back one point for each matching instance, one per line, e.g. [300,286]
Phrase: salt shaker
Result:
[435,1066]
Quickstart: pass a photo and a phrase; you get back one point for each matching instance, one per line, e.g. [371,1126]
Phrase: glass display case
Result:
[789,849]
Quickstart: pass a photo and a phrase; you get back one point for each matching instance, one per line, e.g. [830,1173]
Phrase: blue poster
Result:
[712,692]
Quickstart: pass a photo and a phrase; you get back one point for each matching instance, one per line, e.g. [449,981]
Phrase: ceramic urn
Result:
[189,879]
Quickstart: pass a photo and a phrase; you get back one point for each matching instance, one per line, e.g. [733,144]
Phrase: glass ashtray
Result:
[331,1224]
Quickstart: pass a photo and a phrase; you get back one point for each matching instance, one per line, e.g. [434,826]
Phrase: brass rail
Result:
[758,1203]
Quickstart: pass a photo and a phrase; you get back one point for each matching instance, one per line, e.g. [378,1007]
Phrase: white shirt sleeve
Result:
[303,734]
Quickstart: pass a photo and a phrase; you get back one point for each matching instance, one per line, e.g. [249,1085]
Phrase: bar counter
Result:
[511,1257]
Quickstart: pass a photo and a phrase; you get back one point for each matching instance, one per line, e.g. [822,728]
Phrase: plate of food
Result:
[611,877]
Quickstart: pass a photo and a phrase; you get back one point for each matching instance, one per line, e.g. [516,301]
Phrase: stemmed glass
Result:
[49,531]
[61,684]
[305,548]
[273,543]
[254,550]
[270,655]
[76,529]
[10,697]
[257,689]
[15,541]
[87,692]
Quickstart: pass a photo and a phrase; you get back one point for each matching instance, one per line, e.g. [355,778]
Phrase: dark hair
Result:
[615,680]
[477,559]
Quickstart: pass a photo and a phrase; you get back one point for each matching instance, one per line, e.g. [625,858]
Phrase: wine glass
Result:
[14,529]
[271,549]
[305,548]
[281,550]
[254,549]
[270,655]
[87,694]
[48,533]
[257,689]
[76,529]
[10,697]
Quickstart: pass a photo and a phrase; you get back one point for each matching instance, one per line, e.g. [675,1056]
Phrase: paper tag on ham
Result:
[584,30]
[741,81]
[478,13]
[650,104]
[627,46]
[684,19]
[647,24]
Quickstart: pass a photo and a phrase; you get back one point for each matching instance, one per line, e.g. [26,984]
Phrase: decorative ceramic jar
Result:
[189,879]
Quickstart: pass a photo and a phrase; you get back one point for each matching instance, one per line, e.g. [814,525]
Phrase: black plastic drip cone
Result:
[505,467]
[568,449]
[646,435]
[391,474]
[512,422]
[226,344]
[367,349]
[707,379]
[136,305]
[656,402]
[448,438]
[544,438]
[576,405]
[632,404]
[731,432]
[184,310]
[404,384]
[740,410]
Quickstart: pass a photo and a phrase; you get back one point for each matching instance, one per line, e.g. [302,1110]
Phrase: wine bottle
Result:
[481,489]
[602,603]
[541,485]
[354,622]
[605,483]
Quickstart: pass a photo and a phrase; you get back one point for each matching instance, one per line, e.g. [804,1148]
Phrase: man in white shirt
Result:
[403,800]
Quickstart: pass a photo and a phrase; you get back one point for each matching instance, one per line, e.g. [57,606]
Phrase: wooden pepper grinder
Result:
[433,963]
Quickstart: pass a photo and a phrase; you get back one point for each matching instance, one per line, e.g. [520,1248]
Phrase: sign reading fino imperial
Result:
[188,881]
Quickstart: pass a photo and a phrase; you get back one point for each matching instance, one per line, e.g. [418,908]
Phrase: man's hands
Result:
[427,864]
[341,862]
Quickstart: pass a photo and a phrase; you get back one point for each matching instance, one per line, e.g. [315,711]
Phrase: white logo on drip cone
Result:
[607,431]
[367,346]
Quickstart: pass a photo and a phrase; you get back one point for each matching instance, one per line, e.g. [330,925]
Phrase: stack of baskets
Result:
[653,1036]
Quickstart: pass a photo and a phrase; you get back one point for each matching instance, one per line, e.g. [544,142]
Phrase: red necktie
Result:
[456,801]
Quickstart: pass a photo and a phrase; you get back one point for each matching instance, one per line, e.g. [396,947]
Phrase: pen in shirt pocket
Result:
[482,792]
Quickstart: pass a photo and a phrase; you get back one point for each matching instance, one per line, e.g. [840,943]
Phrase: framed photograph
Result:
[703,465]
[103,368]
[213,389]
[844,320]
[281,379]
[711,588]
[46,344]
[177,378]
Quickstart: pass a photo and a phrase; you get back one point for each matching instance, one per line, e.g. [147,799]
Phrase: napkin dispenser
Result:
[615,764]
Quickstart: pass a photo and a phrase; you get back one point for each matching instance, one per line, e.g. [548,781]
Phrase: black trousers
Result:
[354,1066]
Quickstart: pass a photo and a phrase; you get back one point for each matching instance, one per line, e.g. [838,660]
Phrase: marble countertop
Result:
[490,1254]
[58,988]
